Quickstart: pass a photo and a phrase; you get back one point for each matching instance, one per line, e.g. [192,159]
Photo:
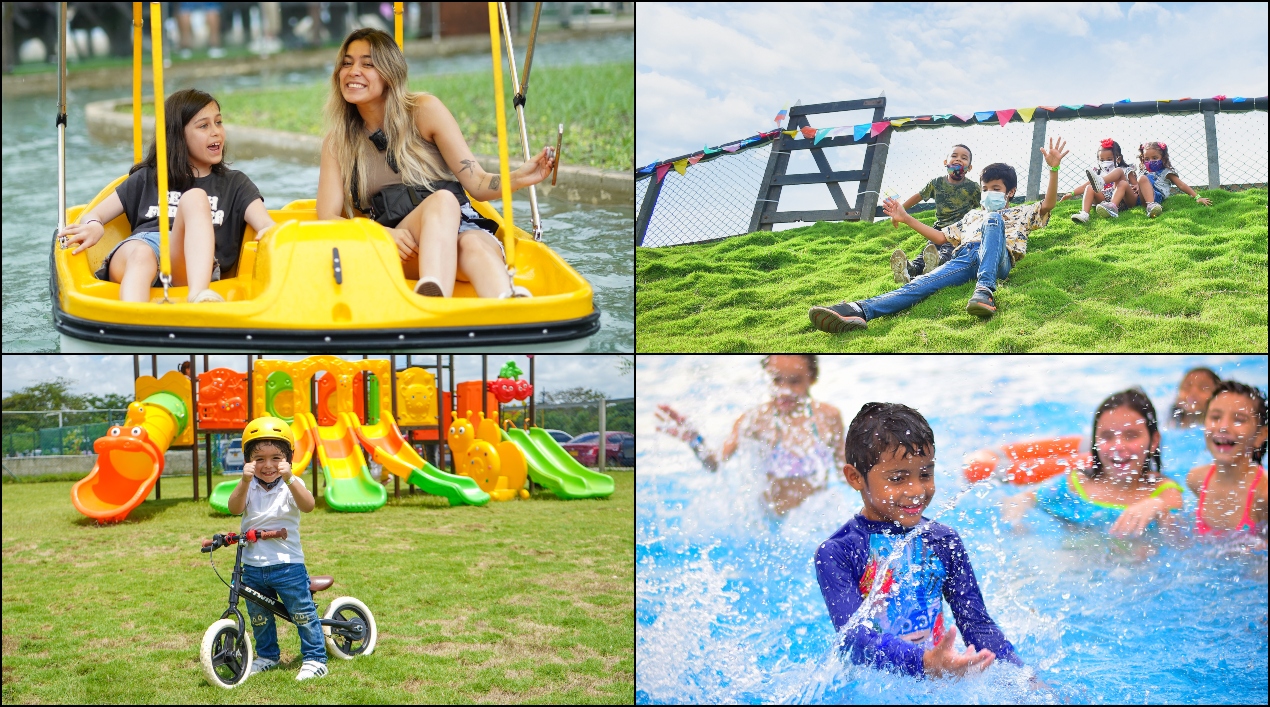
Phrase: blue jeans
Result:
[289,583]
[986,261]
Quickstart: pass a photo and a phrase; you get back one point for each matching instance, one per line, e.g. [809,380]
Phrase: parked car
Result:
[559,435]
[627,457]
[585,446]
[232,461]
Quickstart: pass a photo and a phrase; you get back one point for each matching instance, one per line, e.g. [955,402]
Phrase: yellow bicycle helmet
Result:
[268,428]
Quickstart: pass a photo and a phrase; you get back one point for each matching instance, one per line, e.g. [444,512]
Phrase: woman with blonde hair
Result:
[399,158]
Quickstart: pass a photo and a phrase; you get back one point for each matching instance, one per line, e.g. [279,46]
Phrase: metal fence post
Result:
[646,208]
[867,202]
[1034,166]
[604,435]
[1210,136]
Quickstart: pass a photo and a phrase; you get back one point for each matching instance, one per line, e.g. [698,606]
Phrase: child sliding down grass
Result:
[888,571]
[954,196]
[1111,186]
[988,242]
[1157,174]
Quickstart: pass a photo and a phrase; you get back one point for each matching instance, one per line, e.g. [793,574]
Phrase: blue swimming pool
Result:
[727,604]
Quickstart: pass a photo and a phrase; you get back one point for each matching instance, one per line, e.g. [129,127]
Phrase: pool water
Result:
[727,604]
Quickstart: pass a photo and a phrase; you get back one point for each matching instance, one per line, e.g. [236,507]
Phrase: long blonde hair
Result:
[417,164]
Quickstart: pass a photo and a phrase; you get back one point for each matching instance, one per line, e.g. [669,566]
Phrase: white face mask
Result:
[1107,165]
[993,200]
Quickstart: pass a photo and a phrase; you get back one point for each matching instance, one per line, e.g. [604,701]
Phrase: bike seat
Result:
[318,583]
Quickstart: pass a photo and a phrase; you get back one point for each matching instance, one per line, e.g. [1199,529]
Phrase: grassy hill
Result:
[1193,279]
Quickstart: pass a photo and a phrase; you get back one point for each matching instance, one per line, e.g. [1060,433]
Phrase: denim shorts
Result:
[467,222]
[1159,196]
[151,239]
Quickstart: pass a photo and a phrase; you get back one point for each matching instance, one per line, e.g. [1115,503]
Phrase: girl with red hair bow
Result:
[1111,185]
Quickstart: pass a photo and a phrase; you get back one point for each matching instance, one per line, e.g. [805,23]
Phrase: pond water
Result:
[594,240]
[728,608]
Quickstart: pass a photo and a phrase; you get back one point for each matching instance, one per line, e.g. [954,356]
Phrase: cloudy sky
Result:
[709,73]
[113,374]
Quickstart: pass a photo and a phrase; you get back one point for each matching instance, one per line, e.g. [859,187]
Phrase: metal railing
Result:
[1210,141]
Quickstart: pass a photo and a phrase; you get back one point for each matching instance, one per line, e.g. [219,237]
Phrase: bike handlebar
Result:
[219,540]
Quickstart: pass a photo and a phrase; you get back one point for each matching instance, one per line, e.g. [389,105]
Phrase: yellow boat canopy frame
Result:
[318,285]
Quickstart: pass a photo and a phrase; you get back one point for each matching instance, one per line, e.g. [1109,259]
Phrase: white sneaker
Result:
[1108,210]
[930,258]
[899,266]
[1080,217]
[517,291]
[259,665]
[311,669]
[1154,209]
[1095,180]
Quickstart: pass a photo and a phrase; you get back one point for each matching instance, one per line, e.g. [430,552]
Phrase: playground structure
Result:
[343,413]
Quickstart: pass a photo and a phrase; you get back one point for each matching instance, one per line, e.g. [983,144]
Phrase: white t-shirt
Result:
[270,510]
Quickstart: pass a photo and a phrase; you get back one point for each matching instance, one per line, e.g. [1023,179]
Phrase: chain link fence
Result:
[715,198]
[71,439]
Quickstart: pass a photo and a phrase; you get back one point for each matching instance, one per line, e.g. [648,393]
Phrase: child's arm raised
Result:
[91,225]
[1053,156]
[896,211]
[1188,191]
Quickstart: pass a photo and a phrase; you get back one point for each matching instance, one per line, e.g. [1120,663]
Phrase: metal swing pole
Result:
[61,120]
[519,99]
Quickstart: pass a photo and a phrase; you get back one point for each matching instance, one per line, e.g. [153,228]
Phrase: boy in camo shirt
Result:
[954,196]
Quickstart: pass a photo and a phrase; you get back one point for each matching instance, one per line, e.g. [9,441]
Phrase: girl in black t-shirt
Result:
[207,203]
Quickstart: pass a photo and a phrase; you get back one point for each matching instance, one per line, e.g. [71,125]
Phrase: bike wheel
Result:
[341,645]
[223,664]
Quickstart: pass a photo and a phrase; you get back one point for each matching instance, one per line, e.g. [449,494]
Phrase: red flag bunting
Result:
[662,170]
[878,127]
[1005,115]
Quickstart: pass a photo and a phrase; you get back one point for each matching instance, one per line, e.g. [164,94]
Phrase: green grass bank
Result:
[596,102]
[524,601]
[1193,279]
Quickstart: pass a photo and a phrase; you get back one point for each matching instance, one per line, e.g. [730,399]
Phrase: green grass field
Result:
[1193,279]
[596,102]
[524,601]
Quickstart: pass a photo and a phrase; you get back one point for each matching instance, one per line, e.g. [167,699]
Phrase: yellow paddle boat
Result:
[320,285]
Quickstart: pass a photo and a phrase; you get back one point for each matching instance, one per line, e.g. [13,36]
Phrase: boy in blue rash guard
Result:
[890,453]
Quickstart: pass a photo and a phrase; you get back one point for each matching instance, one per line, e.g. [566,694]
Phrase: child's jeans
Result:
[987,261]
[289,583]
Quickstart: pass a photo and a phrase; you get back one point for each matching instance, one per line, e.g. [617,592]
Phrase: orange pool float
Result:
[1027,462]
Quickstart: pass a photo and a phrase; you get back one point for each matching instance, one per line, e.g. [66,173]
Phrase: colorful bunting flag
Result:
[841,130]
[1185,99]
[780,117]
[1026,113]
[1049,108]
[790,133]
[809,132]
[984,115]
[861,131]
[695,159]
[878,127]
[943,116]
[900,121]
[730,148]
[1162,100]
[710,151]
[1005,115]
[1239,99]
[1073,106]
[681,166]
[1092,105]
[1219,97]
[965,117]
[1126,100]
[924,117]
[662,170]
[646,168]
[820,135]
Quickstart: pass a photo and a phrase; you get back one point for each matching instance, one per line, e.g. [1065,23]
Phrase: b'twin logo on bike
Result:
[257,596]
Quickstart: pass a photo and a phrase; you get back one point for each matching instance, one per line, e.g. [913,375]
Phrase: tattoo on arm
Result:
[494,182]
[468,165]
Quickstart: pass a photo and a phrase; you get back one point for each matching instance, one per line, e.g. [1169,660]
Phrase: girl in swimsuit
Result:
[802,439]
[1232,490]
[1122,490]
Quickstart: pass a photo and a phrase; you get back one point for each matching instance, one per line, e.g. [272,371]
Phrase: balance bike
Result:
[226,651]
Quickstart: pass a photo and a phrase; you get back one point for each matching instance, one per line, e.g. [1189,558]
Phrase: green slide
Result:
[456,489]
[554,468]
[221,494]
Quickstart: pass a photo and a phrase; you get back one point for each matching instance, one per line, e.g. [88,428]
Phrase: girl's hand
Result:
[535,170]
[1052,155]
[1135,519]
[943,659]
[674,424]
[1203,200]
[407,244]
[284,469]
[83,235]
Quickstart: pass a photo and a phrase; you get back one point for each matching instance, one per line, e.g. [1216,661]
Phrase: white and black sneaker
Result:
[311,669]
[899,267]
[259,665]
[1095,180]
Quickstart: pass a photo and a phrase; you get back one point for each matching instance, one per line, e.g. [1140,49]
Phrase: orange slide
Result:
[1028,462]
[130,459]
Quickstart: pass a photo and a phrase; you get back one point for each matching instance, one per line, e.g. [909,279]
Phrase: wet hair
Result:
[1002,171]
[1211,374]
[881,427]
[1259,405]
[180,109]
[813,364]
[1116,155]
[280,444]
[968,152]
[1164,153]
[1135,400]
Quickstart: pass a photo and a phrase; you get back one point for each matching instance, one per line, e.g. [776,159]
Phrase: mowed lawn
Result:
[1193,279]
[524,601]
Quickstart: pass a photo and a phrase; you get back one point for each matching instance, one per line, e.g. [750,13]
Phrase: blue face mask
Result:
[1155,165]
[993,200]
